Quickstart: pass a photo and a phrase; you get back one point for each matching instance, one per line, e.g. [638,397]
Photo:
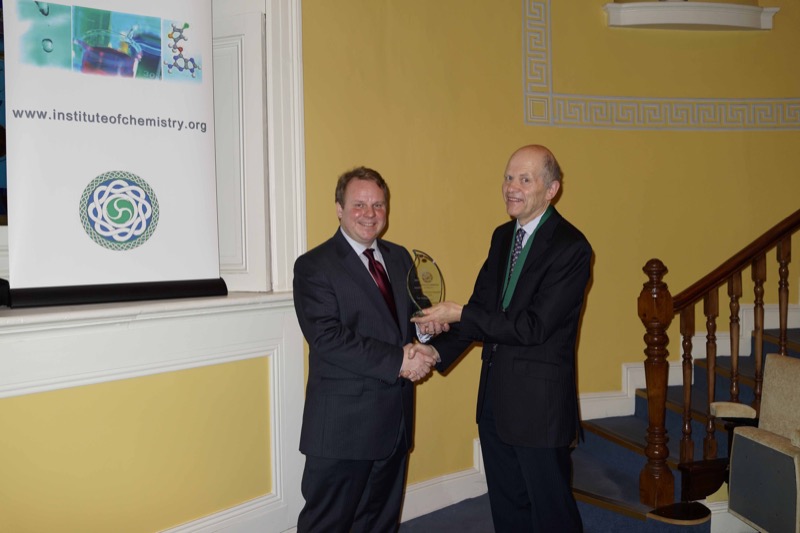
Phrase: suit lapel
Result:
[363,279]
[539,246]
[541,241]
[353,265]
[502,259]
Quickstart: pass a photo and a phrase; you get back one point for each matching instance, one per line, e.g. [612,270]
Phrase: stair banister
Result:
[741,260]
[657,308]
[656,482]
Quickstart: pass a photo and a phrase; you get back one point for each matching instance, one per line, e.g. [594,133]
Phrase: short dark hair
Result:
[360,173]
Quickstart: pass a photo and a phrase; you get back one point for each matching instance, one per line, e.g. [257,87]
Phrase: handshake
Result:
[418,360]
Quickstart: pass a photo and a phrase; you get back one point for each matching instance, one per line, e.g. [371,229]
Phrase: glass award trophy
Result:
[424,282]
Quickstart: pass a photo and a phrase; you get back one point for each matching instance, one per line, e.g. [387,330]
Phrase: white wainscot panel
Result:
[43,349]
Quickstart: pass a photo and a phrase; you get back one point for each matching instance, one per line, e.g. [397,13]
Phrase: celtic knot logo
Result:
[119,210]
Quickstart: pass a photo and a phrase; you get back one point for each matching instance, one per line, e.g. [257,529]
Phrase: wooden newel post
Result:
[656,482]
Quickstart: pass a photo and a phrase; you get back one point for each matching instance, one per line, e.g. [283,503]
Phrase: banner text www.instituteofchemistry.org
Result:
[101,118]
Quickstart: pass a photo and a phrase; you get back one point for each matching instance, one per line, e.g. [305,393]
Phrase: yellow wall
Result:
[430,93]
[135,455]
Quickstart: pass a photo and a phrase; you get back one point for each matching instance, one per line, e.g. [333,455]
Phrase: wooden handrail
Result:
[657,308]
[742,259]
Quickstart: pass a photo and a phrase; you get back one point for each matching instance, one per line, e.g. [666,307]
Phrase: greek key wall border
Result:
[544,107]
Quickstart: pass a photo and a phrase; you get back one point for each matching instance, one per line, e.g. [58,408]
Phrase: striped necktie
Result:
[380,277]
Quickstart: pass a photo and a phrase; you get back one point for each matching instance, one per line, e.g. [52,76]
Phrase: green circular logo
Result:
[119,210]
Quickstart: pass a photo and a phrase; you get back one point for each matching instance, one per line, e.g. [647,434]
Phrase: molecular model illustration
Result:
[180,62]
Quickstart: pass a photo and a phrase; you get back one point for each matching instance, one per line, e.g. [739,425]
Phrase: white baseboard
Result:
[622,403]
[432,495]
[261,515]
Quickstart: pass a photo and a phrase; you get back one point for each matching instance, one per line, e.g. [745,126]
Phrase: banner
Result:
[110,147]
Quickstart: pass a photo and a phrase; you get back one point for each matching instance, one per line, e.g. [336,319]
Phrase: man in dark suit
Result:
[357,421]
[525,309]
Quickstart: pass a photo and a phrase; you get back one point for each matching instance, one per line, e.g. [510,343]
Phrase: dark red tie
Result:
[380,277]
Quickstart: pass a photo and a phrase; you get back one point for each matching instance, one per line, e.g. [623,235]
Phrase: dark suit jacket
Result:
[355,402]
[531,344]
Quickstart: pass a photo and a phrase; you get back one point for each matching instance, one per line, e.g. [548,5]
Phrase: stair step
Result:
[682,514]
[598,483]
[674,421]
[628,432]
[746,367]
[698,411]
[722,385]
[792,340]
[723,365]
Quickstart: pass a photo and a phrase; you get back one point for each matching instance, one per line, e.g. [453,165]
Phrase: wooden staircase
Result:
[672,434]
[615,487]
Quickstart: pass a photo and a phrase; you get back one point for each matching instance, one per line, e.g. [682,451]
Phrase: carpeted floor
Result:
[468,516]
[474,516]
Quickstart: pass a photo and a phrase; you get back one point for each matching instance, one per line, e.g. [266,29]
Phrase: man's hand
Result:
[432,328]
[440,314]
[427,350]
[417,361]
